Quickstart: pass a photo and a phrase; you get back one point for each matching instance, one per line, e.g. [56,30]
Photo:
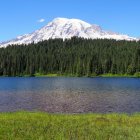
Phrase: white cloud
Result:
[41,20]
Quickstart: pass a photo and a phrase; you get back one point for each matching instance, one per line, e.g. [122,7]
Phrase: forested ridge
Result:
[76,56]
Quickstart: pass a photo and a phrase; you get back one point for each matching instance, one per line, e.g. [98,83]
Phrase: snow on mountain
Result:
[66,28]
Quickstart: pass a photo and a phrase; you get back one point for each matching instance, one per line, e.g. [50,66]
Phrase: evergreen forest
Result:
[75,56]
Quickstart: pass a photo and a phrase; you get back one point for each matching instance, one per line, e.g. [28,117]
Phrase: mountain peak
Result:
[71,20]
[67,28]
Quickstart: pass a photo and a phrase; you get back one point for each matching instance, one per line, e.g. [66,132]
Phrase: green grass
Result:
[43,126]
[92,76]
[55,75]
[45,75]
[120,75]
[136,75]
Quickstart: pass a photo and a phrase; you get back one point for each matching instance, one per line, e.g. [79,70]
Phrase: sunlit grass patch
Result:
[43,126]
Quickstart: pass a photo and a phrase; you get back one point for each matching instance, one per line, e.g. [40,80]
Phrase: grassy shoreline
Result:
[42,126]
[91,76]
[109,75]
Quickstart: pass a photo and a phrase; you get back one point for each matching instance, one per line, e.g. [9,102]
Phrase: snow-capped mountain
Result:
[66,28]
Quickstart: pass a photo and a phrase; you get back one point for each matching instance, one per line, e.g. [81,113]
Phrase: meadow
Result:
[44,126]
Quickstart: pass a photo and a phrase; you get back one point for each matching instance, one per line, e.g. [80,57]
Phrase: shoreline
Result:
[76,76]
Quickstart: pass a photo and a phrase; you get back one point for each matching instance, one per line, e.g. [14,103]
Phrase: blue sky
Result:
[19,17]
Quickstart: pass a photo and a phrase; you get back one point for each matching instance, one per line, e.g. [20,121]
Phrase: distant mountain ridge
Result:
[66,28]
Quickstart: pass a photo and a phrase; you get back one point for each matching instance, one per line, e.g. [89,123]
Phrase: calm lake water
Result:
[70,95]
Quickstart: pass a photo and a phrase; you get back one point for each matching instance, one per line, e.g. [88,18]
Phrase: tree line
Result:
[75,56]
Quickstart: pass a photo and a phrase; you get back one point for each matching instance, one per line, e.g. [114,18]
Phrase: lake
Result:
[70,95]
